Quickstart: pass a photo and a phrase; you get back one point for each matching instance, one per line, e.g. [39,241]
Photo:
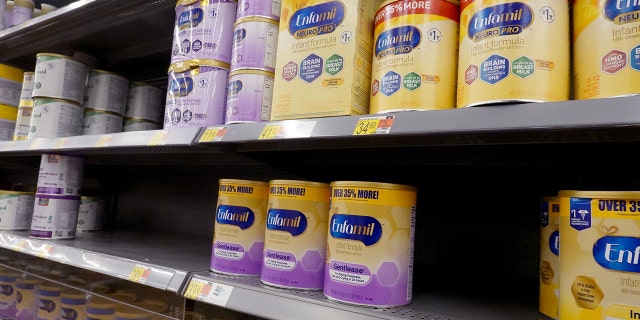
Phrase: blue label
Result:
[544,213]
[365,229]
[242,217]
[398,40]
[500,20]
[6,290]
[621,12]
[239,35]
[181,87]
[390,83]
[494,69]
[292,221]
[554,242]
[634,58]
[234,87]
[190,18]
[580,213]
[316,20]
[618,253]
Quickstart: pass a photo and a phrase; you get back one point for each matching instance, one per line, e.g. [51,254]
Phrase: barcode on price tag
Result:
[139,274]
[208,291]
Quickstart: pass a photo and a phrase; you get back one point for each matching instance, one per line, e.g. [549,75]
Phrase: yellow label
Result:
[373,125]
[270,131]
[213,134]
[139,274]
[103,141]
[158,138]
[195,289]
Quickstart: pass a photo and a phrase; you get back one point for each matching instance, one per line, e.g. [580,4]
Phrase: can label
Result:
[8,295]
[107,92]
[296,235]
[10,92]
[55,217]
[57,76]
[249,97]
[145,102]
[549,256]
[52,118]
[7,129]
[60,175]
[48,303]
[23,123]
[513,51]
[254,45]
[405,32]
[16,209]
[238,238]
[73,307]
[100,122]
[265,8]
[26,306]
[91,213]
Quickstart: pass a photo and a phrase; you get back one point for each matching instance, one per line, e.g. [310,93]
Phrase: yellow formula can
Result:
[238,237]
[513,51]
[606,48]
[412,39]
[49,300]
[549,256]
[73,305]
[370,243]
[101,309]
[600,255]
[26,298]
[296,234]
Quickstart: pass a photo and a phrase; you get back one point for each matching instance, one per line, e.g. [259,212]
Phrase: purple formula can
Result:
[55,217]
[260,8]
[255,41]
[196,94]
[60,175]
[249,96]
[203,30]
[8,280]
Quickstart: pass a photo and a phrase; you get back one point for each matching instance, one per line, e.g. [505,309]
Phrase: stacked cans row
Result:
[10,83]
[16,12]
[352,239]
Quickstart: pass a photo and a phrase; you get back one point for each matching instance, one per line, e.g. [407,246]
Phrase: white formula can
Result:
[16,209]
[55,118]
[22,11]
[23,123]
[55,217]
[91,213]
[10,85]
[255,42]
[136,124]
[265,8]
[6,129]
[60,175]
[249,96]
[145,102]
[101,122]
[59,76]
[27,89]
[106,91]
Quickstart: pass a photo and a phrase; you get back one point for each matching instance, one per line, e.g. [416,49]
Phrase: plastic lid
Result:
[24,3]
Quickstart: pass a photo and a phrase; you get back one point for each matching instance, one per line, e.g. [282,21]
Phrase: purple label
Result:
[282,269]
[41,234]
[311,68]
[232,258]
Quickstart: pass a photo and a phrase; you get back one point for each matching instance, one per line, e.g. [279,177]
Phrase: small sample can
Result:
[8,298]
[91,213]
[106,91]
[16,209]
[27,304]
[238,237]
[100,122]
[549,256]
[101,309]
[196,94]
[59,76]
[600,247]
[145,102]
[267,8]
[136,124]
[60,175]
[255,43]
[249,96]
[203,30]
[10,85]
[55,217]
[295,239]
[27,89]
[370,243]
[505,52]
[410,44]
[55,118]
[606,48]
[48,302]
[22,11]
[73,304]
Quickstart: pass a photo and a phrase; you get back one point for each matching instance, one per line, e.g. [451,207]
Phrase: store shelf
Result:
[143,258]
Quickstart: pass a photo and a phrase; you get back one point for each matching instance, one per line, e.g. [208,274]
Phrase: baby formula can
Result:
[412,38]
[8,281]
[295,240]
[549,256]
[145,102]
[22,11]
[196,94]
[60,175]
[370,243]
[27,298]
[23,123]
[266,8]
[91,213]
[73,304]
[55,118]
[100,122]
[106,91]
[101,309]
[10,85]
[606,48]
[48,302]
[153,305]
[513,51]
[59,76]
[123,296]
[249,96]
[8,13]
[203,30]
[238,237]
[27,89]
[600,247]
[16,209]
[255,41]
[55,217]
[136,124]
[124,312]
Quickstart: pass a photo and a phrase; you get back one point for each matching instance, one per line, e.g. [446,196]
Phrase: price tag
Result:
[271,131]
[103,141]
[209,292]
[213,134]
[22,245]
[139,274]
[159,138]
[373,125]
[45,251]
[292,129]
[60,142]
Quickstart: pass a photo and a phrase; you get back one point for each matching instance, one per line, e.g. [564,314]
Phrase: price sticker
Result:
[271,131]
[197,289]
[21,245]
[209,292]
[373,125]
[139,274]
[159,138]
[213,134]
[45,251]
[288,129]
[60,143]
[103,141]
